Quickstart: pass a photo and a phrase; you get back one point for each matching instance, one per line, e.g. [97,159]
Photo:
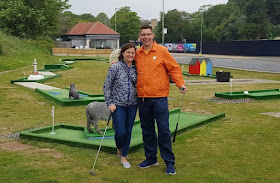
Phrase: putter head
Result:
[92,173]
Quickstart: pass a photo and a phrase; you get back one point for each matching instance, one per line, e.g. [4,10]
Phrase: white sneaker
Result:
[126,165]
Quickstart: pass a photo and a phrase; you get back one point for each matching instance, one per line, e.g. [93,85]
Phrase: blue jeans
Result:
[123,119]
[151,110]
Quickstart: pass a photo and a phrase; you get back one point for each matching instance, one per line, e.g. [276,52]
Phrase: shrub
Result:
[48,44]
[45,43]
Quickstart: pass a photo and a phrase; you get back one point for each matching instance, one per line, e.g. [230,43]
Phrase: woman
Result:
[120,96]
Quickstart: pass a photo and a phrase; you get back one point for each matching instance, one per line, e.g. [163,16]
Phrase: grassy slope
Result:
[19,53]
[243,147]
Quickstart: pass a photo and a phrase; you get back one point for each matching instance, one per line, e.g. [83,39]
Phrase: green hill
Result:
[17,53]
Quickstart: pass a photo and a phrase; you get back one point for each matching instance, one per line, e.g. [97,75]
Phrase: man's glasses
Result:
[144,35]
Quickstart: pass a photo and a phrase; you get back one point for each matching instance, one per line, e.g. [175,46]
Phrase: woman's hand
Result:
[112,108]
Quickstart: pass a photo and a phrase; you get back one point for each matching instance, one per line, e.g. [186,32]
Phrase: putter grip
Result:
[109,118]
[174,137]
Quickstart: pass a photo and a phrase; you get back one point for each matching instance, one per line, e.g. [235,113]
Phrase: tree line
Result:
[236,20]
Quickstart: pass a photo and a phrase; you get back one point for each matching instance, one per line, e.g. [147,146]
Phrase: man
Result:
[154,64]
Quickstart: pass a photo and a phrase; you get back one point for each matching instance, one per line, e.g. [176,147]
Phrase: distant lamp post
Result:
[200,52]
[116,18]
[202,9]
[116,25]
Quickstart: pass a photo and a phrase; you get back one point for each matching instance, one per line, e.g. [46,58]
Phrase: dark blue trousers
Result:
[123,119]
[151,110]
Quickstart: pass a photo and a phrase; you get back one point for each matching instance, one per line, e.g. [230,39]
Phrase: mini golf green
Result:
[61,97]
[255,94]
[78,135]
[46,77]
[56,67]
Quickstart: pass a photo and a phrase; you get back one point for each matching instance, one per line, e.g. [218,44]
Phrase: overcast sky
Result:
[146,9]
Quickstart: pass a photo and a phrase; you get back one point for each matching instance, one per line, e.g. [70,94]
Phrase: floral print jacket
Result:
[120,85]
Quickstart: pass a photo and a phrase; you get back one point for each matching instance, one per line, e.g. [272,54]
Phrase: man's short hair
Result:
[146,27]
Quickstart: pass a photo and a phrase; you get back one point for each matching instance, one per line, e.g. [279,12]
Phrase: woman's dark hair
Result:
[125,47]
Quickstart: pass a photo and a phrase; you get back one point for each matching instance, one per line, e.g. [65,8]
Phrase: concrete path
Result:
[34,85]
[274,114]
[46,73]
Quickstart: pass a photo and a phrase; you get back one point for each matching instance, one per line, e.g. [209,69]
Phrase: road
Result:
[260,64]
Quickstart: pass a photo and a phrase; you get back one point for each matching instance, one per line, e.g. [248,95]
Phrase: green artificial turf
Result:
[46,77]
[255,94]
[78,136]
[56,67]
[61,97]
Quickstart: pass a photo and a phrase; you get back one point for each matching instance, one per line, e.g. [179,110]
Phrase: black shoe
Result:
[170,169]
[147,163]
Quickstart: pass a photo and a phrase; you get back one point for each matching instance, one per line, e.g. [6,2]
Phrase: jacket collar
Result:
[153,47]
[123,62]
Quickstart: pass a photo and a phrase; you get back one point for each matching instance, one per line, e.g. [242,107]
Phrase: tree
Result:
[262,18]
[87,17]
[102,17]
[215,15]
[128,24]
[67,20]
[238,3]
[227,30]
[248,31]
[257,17]
[177,24]
[31,18]
[273,11]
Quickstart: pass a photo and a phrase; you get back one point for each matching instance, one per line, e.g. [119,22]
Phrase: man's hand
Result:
[113,62]
[183,89]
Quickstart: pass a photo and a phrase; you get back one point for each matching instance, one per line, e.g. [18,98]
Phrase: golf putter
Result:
[92,172]
[174,137]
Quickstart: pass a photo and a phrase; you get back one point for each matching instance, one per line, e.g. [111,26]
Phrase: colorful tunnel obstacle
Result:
[200,66]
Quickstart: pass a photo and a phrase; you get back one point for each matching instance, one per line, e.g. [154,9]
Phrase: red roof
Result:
[84,28]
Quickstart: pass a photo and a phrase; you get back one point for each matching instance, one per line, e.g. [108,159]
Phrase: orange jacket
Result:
[153,70]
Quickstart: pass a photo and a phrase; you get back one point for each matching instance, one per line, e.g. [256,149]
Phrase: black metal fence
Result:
[244,48]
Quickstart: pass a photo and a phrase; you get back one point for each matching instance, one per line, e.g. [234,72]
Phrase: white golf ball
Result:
[246,92]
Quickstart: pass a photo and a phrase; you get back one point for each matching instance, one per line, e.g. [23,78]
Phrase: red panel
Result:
[194,69]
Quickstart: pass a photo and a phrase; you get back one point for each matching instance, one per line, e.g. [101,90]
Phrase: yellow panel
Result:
[203,68]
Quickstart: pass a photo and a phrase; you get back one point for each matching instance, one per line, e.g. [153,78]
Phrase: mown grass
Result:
[242,147]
